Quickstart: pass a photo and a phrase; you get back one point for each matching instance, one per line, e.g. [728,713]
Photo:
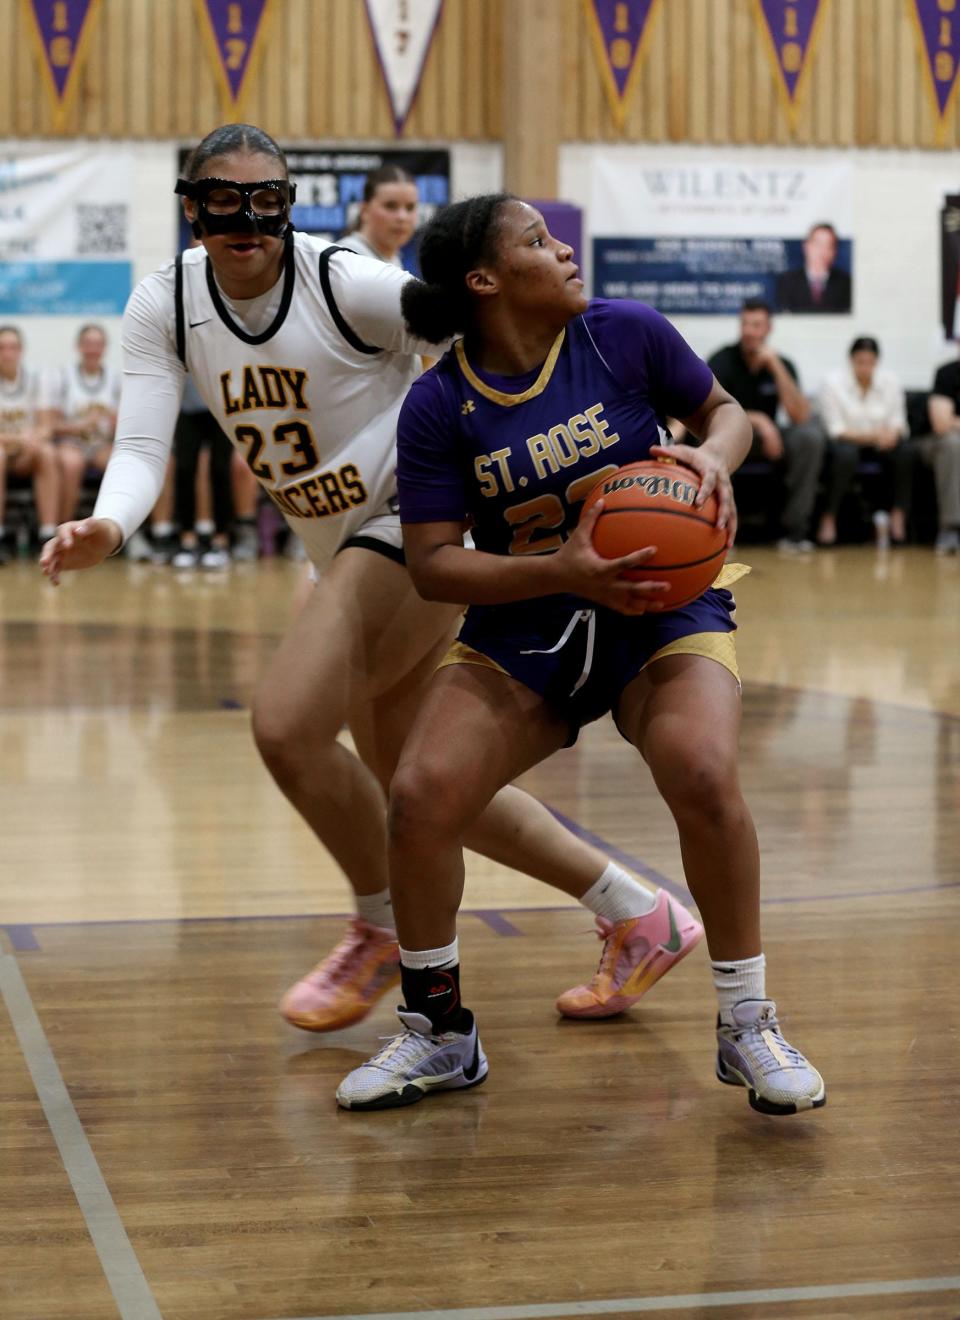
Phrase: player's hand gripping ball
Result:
[653,503]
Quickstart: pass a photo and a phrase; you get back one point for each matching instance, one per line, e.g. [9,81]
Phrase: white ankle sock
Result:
[738,979]
[46,530]
[376,909]
[448,956]
[617,896]
[161,529]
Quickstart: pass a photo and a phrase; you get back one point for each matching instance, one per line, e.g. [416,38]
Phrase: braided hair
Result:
[228,138]
[457,239]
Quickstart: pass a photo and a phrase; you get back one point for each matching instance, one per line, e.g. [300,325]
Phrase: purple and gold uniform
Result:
[518,455]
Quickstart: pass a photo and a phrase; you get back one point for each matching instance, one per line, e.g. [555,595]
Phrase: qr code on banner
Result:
[101,229]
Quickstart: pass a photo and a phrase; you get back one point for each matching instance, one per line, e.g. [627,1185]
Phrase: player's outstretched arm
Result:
[82,544]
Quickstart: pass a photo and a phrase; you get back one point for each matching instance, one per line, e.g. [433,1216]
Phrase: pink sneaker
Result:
[345,986]
[636,953]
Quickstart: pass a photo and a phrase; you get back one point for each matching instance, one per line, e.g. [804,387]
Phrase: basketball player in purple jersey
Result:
[546,394]
[258,302]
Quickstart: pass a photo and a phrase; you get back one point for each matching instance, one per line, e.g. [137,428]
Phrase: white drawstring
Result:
[579,617]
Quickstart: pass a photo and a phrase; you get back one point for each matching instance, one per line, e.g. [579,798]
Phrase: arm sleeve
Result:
[367,293]
[644,351]
[430,480]
[897,417]
[150,394]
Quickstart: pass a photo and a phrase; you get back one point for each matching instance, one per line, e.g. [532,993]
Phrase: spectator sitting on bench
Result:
[84,417]
[25,448]
[864,410]
[763,382]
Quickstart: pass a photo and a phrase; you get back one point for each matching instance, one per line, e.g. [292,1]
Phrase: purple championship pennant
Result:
[62,29]
[402,32]
[620,31]
[233,29]
[791,28]
[938,28]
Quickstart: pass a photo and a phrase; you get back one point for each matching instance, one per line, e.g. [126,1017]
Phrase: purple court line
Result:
[679,892]
[23,937]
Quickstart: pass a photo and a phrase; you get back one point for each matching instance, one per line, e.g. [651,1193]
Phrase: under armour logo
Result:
[468,407]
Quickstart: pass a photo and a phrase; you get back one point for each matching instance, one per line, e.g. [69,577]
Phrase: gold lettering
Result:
[251,394]
[601,427]
[563,446]
[621,21]
[620,52]
[236,50]
[234,18]
[946,36]
[588,442]
[500,457]
[544,460]
[790,27]
[331,488]
[791,53]
[488,482]
[61,21]
[943,66]
[309,488]
[61,52]
[273,391]
[353,485]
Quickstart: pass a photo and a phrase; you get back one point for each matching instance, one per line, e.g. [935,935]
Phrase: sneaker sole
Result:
[411,1094]
[308,1022]
[649,976]
[731,1077]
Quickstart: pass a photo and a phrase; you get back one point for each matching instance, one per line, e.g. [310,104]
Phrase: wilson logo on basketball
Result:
[671,488]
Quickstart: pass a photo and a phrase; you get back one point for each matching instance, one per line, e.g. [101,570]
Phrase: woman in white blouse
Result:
[864,411]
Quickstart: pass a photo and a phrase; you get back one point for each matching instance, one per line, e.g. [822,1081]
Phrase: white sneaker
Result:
[215,558]
[753,1053]
[948,542]
[246,543]
[788,545]
[186,557]
[413,1064]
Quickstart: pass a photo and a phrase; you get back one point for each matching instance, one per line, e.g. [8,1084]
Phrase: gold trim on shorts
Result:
[711,645]
[460,654]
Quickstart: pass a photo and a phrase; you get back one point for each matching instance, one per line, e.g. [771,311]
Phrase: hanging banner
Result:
[330,182]
[620,31]
[938,28]
[62,30]
[65,244]
[402,33]
[697,235]
[233,29]
[791,28]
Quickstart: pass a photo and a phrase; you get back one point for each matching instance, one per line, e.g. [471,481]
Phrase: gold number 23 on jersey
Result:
[295,434]
[545,513]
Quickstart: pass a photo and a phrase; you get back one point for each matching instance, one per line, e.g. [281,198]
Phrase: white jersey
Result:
[89,402]
[306,380]
[356,242]
[19,401]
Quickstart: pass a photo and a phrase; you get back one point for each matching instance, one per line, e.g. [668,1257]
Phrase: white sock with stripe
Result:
[376,909]
[431,959]
[737,979]
[618,897]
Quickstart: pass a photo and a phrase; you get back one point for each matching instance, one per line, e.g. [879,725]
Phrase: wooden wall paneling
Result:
[675,17]
[297,42]
[271,72]
[138,59]
[720,73]
[845,71]
[339,72]
[9,56]
[453,64]
[699,56]
[163,21]
[742,32]
[593,110]
[865,70]
[761,78]
[886,72]
[493,102]
[317,80]
[88,114]
[907,82]
[28,98]
[821,88]
[471,74]
[653,82]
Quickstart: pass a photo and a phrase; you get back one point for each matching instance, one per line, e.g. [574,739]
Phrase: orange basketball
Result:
[652,503]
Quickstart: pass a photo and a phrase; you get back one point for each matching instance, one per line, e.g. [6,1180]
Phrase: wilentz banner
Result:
[698,237]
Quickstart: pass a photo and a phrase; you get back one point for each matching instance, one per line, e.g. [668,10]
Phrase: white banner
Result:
[698,237]
[65,244]
[402,33]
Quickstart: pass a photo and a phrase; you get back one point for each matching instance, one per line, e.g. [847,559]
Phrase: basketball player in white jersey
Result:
[388,215]
[301,353]
[84,416]
[25,448]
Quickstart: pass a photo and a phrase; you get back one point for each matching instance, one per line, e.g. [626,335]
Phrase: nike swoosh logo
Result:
[194,324]
[674,942]
[471,1072]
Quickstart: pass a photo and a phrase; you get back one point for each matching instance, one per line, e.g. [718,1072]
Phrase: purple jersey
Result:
[519,454]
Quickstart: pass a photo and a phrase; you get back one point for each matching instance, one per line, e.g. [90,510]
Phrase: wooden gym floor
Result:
[172,1149]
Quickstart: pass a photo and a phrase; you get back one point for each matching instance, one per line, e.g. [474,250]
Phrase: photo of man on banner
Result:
[818,282]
